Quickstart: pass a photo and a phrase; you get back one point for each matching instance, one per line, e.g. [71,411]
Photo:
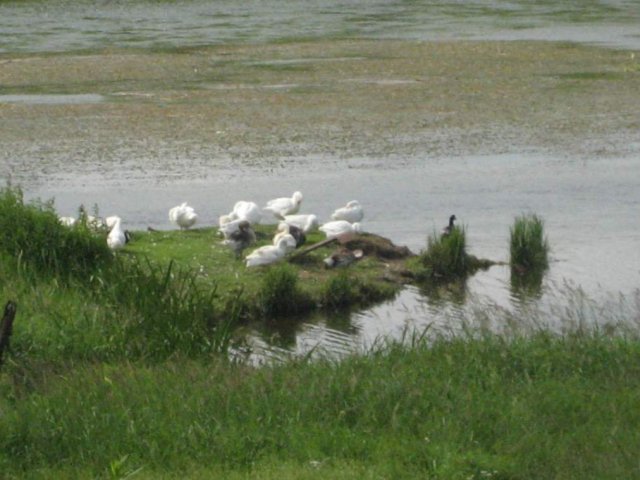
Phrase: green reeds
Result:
[163,310]
[529,248]
[96,305]
[32,234]
[446,255]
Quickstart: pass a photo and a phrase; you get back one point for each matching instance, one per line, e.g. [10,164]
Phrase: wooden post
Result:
[6,326]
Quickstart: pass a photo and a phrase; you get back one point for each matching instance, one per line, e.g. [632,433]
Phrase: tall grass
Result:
[446,255]
[164,310]
[481,406]
[78,300]
[529,247]
[31,233]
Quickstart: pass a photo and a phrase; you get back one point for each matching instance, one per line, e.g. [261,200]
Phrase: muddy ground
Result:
[264,106]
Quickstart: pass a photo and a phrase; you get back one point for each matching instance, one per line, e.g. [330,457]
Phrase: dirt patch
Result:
[380,247]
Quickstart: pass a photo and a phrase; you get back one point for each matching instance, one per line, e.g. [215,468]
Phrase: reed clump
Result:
[32,234]
[280,294]
[446,256]
[529,247]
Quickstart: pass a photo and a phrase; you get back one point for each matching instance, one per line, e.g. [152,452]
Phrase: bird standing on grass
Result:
[117,237]
[242,238]
[280,207]
[183,216]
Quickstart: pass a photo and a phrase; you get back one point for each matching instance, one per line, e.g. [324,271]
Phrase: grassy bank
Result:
[117,370]
[483,407]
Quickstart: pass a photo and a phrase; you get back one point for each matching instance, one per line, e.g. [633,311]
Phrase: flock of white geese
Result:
[236,227]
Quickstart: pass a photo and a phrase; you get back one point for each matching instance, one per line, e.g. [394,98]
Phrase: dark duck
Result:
[449,228]
[242,238]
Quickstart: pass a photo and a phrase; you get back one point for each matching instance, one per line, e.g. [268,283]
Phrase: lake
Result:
[576,165]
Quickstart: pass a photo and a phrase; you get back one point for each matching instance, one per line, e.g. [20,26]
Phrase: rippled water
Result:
[63,25]
[590,203]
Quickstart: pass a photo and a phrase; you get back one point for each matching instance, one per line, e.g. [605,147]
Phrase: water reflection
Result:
[438,294]
[526,285]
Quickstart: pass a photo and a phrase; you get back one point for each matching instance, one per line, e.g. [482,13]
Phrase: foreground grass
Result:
[473,407]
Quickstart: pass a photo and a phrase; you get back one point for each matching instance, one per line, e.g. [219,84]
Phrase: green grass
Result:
[530,407]
[528,245]
[166,293]
[446,258]
[116,371]
[213,263]
[32,234]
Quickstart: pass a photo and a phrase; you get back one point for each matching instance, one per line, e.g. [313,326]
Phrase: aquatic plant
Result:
[446,255]
[279,292]
[529,247]
[31,233]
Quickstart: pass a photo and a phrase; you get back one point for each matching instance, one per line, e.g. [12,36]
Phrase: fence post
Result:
[6,326]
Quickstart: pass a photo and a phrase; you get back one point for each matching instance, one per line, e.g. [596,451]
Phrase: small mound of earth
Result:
[375,245]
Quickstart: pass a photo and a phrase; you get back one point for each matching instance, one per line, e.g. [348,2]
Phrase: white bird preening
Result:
[338,228]
[228,227]
[249,211]
[183,216]
[283,232]
[117,237]
[281,207]
[352,212]
[268,254]
[306,222]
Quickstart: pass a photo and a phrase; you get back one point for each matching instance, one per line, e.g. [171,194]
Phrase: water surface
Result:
[64,25]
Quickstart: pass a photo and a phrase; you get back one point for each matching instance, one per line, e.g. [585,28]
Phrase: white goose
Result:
[280,207]
[352,212]
[306,222]
[116,238]
[111,221]
[248,211]
[183,216]
[67,221]
[340,227]
[283,232]
[267,254]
